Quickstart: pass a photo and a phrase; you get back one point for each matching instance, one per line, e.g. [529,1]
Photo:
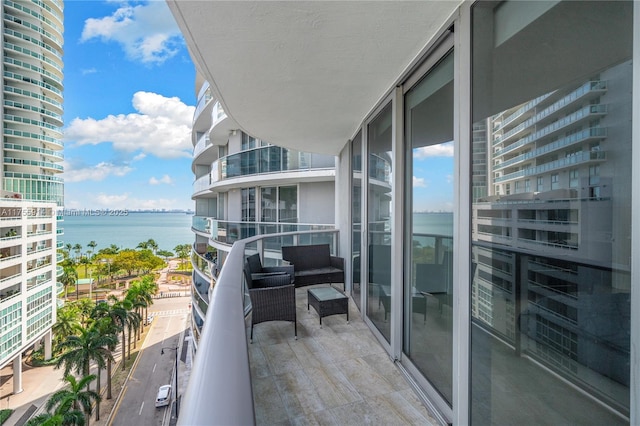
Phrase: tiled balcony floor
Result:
[338,374]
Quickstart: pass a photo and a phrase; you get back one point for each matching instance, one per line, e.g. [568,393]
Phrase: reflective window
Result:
[428,314]
[550,294]
[356,221]
[379,221]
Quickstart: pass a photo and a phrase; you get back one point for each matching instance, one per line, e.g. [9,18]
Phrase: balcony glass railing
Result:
[229,232]
[270,159]
[200,224]
[202,144]
[201,184]
[217,114]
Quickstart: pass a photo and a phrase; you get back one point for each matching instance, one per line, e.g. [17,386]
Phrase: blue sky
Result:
[129,96]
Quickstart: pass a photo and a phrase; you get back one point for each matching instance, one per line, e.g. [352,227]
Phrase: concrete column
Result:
[47,345]
[36,345]
[17,374]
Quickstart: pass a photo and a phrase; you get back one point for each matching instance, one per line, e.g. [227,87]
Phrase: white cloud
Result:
[147,32]
[98,172]
[441,150]
[86,71]
[128,202]
[164,179]
[419,182]
[161,128]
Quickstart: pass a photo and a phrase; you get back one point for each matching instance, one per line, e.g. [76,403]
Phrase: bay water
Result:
[127,230]
[170,229]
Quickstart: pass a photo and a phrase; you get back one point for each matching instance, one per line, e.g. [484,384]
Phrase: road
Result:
[152,369]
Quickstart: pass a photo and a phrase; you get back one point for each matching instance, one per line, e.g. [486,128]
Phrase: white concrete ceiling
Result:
[304,74]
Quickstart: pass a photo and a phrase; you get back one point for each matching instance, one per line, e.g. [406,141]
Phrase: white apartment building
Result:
[245,187]
[32,96]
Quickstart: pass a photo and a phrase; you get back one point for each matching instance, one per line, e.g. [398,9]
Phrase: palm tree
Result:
[79,351]
[67,323]
[182,250]
[106,328]
[78,249]
[151,244]
[85,262]
[84,307]
[139,294]
[112,320]
[69,277]
[143,245]
[139,304]
[69,402]
[90,345]
[133,322]
[92,245]
[48,419]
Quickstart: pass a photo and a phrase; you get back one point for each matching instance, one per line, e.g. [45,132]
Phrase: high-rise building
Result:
[32,191]
[485,169]
[246,187]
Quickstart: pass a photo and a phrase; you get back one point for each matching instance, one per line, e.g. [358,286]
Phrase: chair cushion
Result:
[255,265]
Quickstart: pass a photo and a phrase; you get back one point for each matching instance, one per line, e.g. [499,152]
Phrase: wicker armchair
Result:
[273,297]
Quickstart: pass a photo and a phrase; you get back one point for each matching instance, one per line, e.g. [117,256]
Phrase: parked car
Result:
[149,319]
[164,396]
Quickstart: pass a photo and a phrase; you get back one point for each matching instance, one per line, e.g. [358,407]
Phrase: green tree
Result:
[149,261]
[48,419]
[69,277]
[164,253]
[107,328]
[141,293]
[67,323]
[153,245]
[127,260]
[78,249]
[92,245]
[182,250]
[84,261]
[111,319]
[73,400]
[79,351]
[112,249]
[84,308]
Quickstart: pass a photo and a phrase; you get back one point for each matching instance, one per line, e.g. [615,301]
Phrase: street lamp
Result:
[162,353]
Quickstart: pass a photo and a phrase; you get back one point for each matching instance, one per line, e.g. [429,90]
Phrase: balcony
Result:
[338,373]
[271,159]
[582,157]
[229,232]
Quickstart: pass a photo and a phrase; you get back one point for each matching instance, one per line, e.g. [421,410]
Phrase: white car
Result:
[149,319]
[164,396]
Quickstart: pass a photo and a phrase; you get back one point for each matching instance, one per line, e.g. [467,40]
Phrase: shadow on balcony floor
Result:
[338,374]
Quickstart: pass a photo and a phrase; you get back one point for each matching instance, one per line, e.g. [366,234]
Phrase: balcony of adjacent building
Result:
[204,152]
[590,135]
[549,114]
[222,126]
[576,159]
[266,163]
[336,371]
